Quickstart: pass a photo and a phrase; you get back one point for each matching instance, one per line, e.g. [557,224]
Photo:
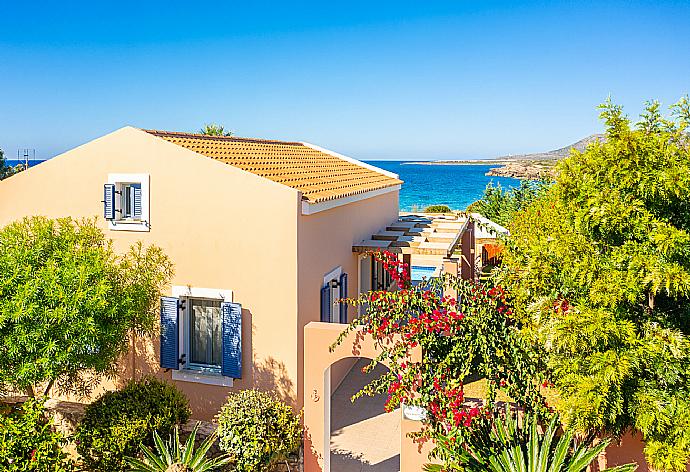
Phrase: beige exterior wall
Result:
[325,242]
[318,367]
[222,227]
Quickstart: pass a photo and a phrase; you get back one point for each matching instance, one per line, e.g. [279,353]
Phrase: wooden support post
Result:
[407,259]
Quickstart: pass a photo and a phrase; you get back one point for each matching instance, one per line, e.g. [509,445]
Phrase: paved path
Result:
[363,437]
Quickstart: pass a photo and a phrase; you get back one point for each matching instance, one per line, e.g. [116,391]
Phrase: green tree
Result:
[500,205]
[599,271]
[5,170]
[68,302]
[213,129]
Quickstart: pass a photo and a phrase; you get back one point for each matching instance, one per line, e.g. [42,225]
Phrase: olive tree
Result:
[68,303]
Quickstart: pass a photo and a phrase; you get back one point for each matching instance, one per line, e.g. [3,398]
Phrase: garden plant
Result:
[173,456]
[118,423]
[28,440]
[466,331]
[514,441]
[258,430]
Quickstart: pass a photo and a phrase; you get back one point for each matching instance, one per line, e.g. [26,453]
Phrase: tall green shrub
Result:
[599,272]
[119,422]
[257,430]
[500,205]
[68,302]
[28,441]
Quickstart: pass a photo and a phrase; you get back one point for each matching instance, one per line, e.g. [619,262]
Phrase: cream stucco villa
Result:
[260,232]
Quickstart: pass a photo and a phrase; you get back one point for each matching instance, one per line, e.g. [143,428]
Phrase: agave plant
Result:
[173,456]
[507,444]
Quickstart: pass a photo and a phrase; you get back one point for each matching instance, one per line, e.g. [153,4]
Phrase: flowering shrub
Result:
[28,441]
[463,337]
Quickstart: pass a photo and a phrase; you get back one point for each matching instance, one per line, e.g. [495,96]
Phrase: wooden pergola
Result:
[430,234]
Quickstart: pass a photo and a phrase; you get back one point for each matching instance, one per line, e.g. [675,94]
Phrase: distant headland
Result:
[523,166]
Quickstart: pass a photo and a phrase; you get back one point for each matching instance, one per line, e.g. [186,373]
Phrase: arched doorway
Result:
[318,362]
[364,437]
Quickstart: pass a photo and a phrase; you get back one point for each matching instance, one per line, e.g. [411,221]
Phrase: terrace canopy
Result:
[429,234]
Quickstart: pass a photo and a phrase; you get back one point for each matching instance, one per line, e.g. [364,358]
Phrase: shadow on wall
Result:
[271,375]
[267,374]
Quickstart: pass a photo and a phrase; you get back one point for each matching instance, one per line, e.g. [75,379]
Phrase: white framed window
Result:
[126,203]
[203,336]
[200,328]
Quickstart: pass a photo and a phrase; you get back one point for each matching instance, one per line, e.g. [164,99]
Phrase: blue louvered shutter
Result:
[109,201]
[170,353]
[232,340]
[136,199]
[343,295]
[326,303]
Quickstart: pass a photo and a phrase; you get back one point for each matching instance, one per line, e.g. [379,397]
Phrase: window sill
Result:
[187,375]
[128,225]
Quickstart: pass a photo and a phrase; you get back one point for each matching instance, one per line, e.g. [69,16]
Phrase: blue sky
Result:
[390,80]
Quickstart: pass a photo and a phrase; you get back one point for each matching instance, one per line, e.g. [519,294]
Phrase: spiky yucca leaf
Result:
[172,452]
[511,444]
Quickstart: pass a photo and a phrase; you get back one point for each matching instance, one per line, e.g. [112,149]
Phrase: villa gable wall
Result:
[223,228]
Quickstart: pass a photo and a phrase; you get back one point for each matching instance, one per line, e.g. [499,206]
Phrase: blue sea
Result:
[454,185]
[14,162]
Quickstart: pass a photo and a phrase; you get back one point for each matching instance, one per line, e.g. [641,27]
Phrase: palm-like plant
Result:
[213,129]
[173,456]
[507,444]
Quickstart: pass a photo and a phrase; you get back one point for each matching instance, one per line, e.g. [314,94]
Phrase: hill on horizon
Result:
[556,154]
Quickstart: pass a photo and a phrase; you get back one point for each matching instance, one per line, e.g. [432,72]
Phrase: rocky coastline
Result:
[528,170]
[523,169]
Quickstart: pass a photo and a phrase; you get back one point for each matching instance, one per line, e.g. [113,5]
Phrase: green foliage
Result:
[507,443]
[213,129]
[175,456]
[28,441]
[117,423]
[257,430]
[437,209]
[6,170]
[599,270]
[68,303]
[3,165]
[500,205]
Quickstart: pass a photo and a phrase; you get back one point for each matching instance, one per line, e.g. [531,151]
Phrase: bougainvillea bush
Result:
[465,337]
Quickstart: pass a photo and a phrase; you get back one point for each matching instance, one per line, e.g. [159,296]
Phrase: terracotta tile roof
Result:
[320,176]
